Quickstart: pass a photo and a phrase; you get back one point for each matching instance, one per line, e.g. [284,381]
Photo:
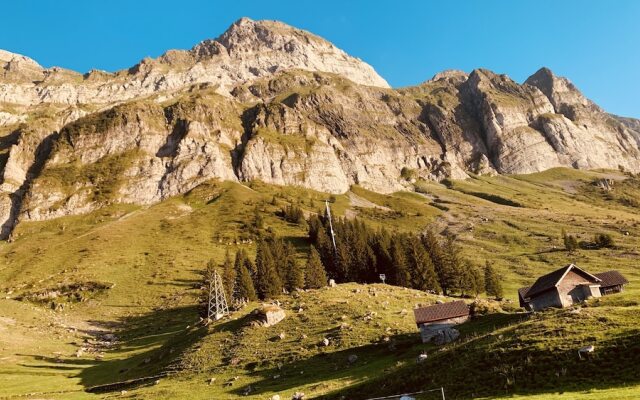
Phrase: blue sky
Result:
[596,44]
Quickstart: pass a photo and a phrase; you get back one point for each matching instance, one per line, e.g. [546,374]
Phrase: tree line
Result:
[422,262]
[361,254]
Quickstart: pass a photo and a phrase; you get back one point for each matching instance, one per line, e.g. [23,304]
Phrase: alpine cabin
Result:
[433,320]
[567,286]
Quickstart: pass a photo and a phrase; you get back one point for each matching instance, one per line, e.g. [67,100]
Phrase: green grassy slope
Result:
[151,258]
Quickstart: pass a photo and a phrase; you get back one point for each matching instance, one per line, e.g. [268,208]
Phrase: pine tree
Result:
[228,277]
[268,283]
[315,276]
[401,275]
[423,274]
[450,267]
[258,221]
[382,250]
[294,273]
[245,291]
[471,280]
[492,281]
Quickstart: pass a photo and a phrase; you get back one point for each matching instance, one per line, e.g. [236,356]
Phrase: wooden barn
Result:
[433,320]
[567,286]
[612,282]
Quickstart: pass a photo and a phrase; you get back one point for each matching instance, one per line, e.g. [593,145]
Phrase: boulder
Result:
[269,315]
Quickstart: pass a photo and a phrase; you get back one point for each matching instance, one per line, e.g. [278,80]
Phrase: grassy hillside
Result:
[133,271]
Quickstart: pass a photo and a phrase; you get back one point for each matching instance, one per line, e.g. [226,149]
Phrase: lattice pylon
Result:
[218,307]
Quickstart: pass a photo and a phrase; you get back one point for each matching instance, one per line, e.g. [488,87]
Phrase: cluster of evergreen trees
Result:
[274,272]
[361,254]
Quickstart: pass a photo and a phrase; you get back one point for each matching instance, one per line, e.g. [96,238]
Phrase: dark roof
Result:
[522,292]
[612,278]
[552,279]
[439,312]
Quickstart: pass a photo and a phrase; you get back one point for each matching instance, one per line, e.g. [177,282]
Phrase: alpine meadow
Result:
[264,216]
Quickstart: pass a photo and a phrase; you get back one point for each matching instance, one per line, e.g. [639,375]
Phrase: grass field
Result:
[149,260]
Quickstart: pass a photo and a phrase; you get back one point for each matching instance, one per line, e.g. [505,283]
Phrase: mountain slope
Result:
[269,102]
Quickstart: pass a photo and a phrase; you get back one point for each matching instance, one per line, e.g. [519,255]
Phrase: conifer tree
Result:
[493,284]
[423,274]
[268,283]
[228,276]
[315,275]
[450,267]
[471,280]
[244,270]
[401,275]
[245,291]
[294,273]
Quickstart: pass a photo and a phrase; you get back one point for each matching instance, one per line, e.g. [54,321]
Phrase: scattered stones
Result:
[325,342]
[332,283]
[352,358]
[282,335]
[297,396]
[275,397]
[421,358]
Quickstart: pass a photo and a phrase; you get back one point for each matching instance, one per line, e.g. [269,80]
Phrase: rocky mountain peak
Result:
[563,94]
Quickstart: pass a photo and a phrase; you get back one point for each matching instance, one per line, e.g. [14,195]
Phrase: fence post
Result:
[442,391]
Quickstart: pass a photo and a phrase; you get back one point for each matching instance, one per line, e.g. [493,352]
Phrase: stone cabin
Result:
[567,286]
[433,320]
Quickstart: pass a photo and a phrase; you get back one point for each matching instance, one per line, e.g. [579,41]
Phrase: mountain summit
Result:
[248,50]
[266,101]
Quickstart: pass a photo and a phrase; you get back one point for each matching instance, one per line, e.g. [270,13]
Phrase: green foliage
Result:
[292,213]
[315,275]
[493,282]
[603,240]
[570,241]
[268,282]
[229,277]
[244,289]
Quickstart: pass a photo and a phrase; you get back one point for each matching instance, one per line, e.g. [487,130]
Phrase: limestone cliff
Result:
[269,102]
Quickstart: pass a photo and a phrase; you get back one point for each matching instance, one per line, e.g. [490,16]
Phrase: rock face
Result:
[246,51]
[269,102]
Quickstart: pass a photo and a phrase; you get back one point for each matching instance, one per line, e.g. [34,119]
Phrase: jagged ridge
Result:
[288,126]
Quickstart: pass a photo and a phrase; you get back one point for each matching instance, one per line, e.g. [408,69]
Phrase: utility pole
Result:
[333,236]
[218,307]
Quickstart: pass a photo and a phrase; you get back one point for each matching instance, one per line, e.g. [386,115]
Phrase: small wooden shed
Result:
[612,282]
[433,320]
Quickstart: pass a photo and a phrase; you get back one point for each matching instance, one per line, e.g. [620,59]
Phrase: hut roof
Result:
[554,278]
[611,278]
[522,292]
[441,312]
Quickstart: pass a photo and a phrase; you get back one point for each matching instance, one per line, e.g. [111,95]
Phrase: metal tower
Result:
[217,300]
[333,236]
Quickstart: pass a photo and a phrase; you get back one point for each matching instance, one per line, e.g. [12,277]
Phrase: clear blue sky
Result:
[596,44]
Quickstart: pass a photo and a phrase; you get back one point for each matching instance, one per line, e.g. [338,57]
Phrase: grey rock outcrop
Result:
[269,102]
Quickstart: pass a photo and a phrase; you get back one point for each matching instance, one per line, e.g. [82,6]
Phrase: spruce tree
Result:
[268,283]
[294,273]
[471,280]
[450,267]
[245,291]
[492,281]
[228,276]
[401,275]
[423,274]
[315,275]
